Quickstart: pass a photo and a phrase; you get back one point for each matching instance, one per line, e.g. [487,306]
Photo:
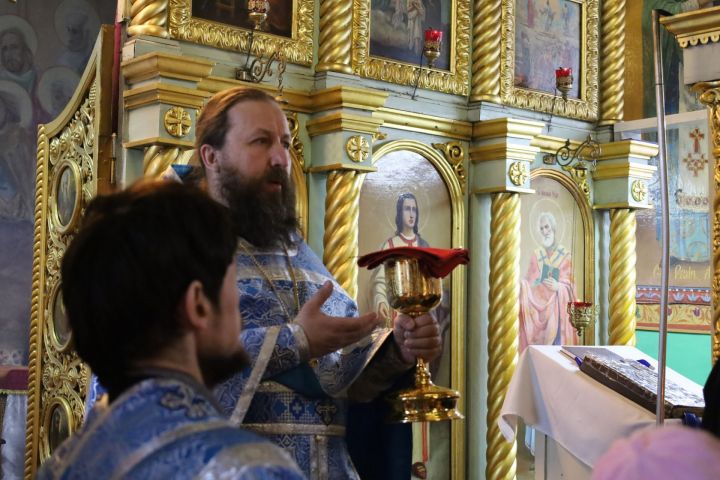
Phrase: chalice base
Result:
[425,403]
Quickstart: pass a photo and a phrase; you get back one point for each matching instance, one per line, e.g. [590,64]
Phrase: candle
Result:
[563,72]
[433,35]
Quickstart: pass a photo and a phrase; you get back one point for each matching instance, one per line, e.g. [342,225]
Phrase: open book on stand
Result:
[635,381]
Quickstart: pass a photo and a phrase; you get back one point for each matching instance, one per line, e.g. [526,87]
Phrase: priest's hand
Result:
[417,337]
[326,334]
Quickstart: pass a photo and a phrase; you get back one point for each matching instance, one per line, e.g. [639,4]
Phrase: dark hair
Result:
[212,126]
[126,271]
[399,213]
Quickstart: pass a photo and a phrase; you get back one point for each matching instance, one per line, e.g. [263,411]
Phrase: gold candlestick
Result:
[412,291]
[582,314]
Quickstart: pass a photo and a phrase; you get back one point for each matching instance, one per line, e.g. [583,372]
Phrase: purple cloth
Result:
[666,453]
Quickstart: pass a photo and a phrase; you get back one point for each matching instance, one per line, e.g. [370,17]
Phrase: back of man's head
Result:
[127,270]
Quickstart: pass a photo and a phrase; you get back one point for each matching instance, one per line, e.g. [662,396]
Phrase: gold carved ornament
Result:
[639,190]
[295,143]
[357,148]
[298,49]
[503,328]
[177,121]
[64,377]
[710,96]
[454,153]
[518,173]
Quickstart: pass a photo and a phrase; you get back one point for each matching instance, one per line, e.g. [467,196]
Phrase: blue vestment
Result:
[298,402]
[165,428]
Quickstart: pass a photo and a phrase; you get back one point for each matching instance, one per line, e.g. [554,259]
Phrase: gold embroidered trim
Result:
[295,429]
[258,370]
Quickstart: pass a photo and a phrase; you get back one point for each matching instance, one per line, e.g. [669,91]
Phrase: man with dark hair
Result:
[310,351]
[149,288]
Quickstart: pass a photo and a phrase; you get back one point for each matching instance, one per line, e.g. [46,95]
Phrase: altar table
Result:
[575,417]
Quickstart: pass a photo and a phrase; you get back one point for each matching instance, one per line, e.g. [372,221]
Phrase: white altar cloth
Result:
[550,393]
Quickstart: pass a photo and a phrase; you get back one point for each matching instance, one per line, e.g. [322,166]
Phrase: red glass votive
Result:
[432,35]
[563,72]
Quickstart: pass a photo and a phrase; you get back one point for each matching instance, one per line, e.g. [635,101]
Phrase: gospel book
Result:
[638,383]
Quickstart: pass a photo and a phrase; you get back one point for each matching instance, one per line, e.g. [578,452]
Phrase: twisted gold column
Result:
[487,24]
[38,279]
[157,158]
[148,17]
[710,96]
[621,328]
[342,207]
[335,36]
[612,70]
[503,327]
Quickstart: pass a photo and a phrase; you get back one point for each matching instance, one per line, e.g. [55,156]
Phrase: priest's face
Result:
[257,141]
[251,174]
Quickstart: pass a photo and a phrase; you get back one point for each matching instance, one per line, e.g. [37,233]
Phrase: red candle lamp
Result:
[564,81]
[431,49]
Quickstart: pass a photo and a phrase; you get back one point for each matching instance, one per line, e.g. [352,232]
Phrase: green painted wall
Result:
[687,353]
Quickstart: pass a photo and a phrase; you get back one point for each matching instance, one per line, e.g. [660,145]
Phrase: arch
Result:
[588,232]
[459,285]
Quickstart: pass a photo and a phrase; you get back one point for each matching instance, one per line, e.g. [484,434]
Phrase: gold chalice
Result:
[582,314]
[413,291]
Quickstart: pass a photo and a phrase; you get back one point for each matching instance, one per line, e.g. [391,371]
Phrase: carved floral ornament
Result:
[518,173]
[639,190]
[357,148]
[177,121]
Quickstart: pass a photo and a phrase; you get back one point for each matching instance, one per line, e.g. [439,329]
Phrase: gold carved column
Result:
[612,67]
[710,96]
[486,51]
[341,142]
[335,40]
[620,184]
[503,313]
[147,17]
[501,156]
[621,295]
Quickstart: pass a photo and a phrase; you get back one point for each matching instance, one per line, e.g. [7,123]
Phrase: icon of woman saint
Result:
[407,218]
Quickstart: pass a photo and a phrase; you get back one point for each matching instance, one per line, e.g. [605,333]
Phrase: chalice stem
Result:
[422,373]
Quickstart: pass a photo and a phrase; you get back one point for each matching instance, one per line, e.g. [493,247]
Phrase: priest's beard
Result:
[216,369]
[265,219]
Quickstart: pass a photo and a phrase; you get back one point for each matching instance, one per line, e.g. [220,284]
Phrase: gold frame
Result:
[65,164]
[456,81]
[459,285]
[80,136]
[298,49]
[50,315]
[584,108]
[61,403]
[588,235]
